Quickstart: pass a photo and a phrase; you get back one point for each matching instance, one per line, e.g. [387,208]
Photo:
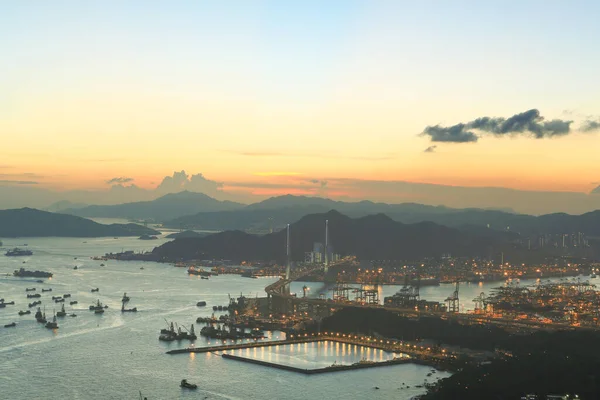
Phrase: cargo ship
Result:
[22,273]
[18,252]
[198,271]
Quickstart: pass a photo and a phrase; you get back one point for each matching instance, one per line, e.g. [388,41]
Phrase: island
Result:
[29,222]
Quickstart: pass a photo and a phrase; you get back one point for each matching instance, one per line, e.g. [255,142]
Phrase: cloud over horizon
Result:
[529,123]
[195,183]
[119,180]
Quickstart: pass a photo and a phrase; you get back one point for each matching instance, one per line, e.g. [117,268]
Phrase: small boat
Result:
[40,281]
[62,312]
[204,277]
[74,258]
[24,312]
[75,267]
[59,300]
[185,384]
[47,290]
[52,324]
[40,316]
[99,311]
[95,290]
[141,267]
[11,325]
[201,303]
[30,289]
[73,302]
[102,265]
[593,276]
[56,297]
[66,295]
[33,296]
[72,315]
[215,308]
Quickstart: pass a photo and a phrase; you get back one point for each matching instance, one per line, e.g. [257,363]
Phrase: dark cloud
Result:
[119,180]
[430,149]
[455,134]
[590,125]
[528,122]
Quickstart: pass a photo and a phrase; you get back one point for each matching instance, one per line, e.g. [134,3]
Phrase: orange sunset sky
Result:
[267,96]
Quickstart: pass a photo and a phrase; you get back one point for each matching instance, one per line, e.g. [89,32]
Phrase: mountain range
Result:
[188,210]
[371,237]
[28,222]
[164,208]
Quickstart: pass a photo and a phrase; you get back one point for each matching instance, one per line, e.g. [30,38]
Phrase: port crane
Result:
[453,303]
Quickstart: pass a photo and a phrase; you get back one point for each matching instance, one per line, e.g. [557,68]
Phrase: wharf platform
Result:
[390,346]
[331,368]
[246,345]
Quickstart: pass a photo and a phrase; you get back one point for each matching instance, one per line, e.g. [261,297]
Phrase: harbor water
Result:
[116,355]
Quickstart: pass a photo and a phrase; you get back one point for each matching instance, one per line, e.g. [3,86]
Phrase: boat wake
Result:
[116,324]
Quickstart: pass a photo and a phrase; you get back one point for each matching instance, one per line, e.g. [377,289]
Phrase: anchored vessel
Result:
[52,324]
[23,273]
[18,252]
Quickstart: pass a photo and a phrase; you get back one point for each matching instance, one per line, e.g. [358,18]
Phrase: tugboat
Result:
[11,325]
[40,316]
[97,306]
[24,312]
[62,312]
[186,385]
[52,324]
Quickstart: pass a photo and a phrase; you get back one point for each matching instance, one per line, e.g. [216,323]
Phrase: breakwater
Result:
[332,368]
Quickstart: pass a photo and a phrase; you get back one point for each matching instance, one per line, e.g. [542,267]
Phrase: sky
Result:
[348,99]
